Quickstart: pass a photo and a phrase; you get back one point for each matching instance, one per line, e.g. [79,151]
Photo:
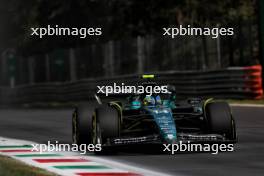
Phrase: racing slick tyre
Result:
[82,124]
[220,119]
[106,125]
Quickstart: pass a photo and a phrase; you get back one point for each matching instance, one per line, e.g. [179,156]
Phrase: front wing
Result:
[156,139]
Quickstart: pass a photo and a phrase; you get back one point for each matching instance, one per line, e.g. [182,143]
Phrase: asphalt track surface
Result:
[41,125]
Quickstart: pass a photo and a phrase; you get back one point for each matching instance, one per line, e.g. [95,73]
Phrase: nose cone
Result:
[164,120]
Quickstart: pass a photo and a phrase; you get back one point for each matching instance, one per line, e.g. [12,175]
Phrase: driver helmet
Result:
[149,100]
[152,100]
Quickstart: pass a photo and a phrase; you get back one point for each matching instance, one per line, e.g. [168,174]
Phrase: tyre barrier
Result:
[231,83]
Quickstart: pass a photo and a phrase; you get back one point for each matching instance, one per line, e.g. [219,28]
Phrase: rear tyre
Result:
[82,124]
[220,119]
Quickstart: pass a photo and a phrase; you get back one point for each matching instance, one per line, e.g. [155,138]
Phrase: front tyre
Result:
[106,125]
[220,119]
[82,124]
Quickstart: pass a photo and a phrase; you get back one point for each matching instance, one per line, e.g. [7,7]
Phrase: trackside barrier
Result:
[254,80]
[233,82]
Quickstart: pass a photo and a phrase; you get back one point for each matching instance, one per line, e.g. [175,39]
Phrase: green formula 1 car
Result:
[156,119]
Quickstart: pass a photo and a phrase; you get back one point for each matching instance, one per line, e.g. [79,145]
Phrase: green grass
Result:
[12,167]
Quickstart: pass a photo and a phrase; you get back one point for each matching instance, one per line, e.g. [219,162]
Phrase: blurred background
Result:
[132,42]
